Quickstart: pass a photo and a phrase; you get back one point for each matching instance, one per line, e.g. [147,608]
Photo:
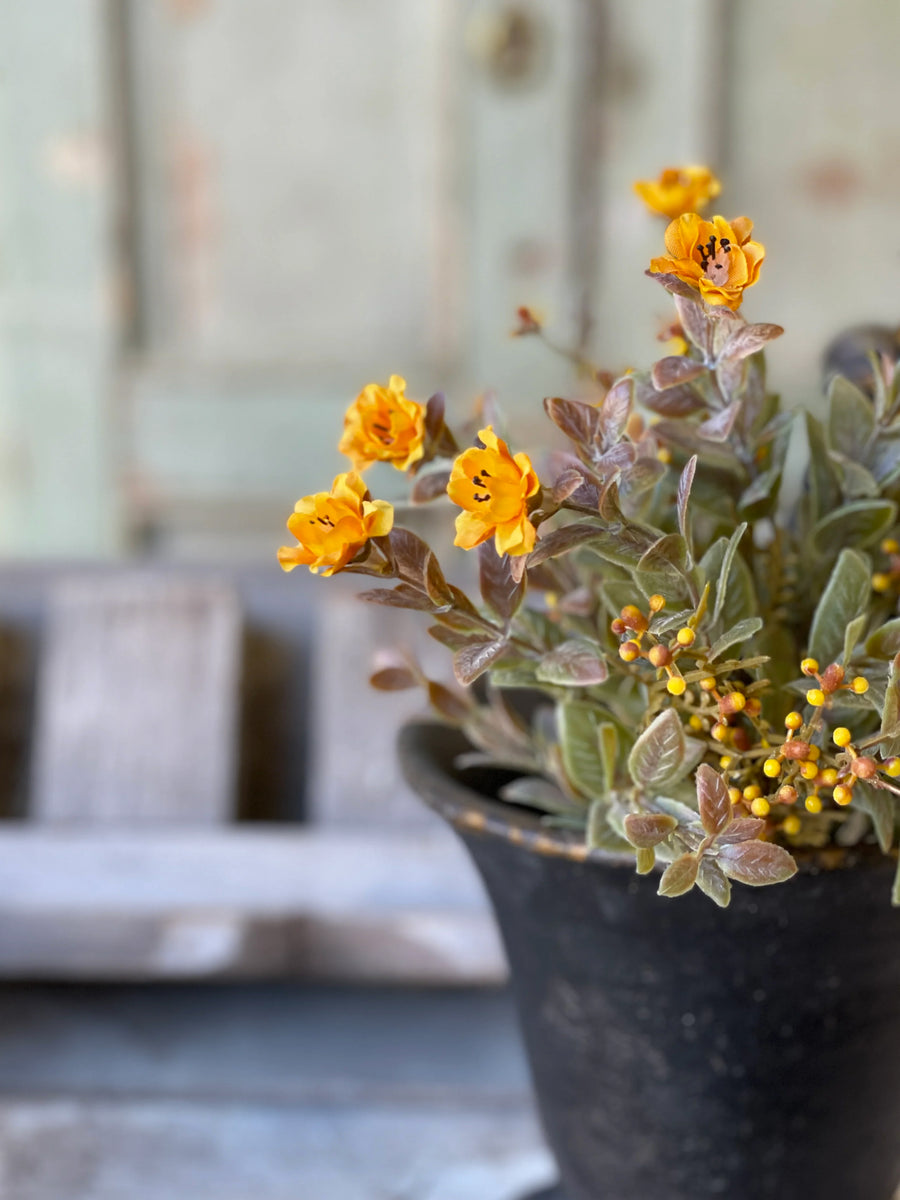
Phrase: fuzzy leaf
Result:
[429,485]
[716,567]
[499,589]
[881,805]
[608,743]
[659,752]
[615,409]
[680,876]
[411,556]
[741,829]
[472,661]
[824,483]
[649,829]
[673,402]
[685,483]
[536,792]
[434,415]
[579,741]
[890,716]
[600,834]
[404,595]
[563,540]
[736,635]
[695,323]
[393,679]
[748,339]
[574,663]
[673,284]
[566,485]
[859,523]
[851,419]
[447,703]
[757,863]
[663,568]
[718,427]
[852,634]
[645,860]
[716,812]
[580,422]
[713,882]
[675,370]
[884,642]
[846,597]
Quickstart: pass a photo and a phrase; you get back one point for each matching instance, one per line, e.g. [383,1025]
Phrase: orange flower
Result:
[493,488]
[332,527]
[679,190]
[381,425]
[714,256]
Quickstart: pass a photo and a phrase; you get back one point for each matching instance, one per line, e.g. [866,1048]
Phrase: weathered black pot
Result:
[680,1051]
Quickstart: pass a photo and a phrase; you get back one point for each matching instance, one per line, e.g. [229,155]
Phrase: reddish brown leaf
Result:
[675,370]
[615,410]
[741,829]
[567,483]
[472,661]
[748,339]
[718,427]
[648,829]
[580,422]
[674,285]
[447,703]
[695,323]
[757,863]
[429,486]
[715,808]
[393,679]
[402,596]
[499,588]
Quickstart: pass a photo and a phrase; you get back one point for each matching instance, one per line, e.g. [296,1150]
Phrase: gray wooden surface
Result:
[263,1094]
[138,702]
[243,902]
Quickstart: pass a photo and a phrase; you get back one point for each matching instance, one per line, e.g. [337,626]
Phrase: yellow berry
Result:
[720,732]
[685,636]
[772,768]
[664,454]
[760,807]
[792,825]
[842,795]
[892,767]
[787,794]
[696,723]
[793,720]
[809,666]
[752,791]
[657,602]
[814,753]
[808,769]
[676,686]
[813,803]
[735,795]
[708,683]
[629,651]
[881,582]
[725,761]
[734,702]
[815,697]
[890,546]
[829,777]
[842,736]
[859,685]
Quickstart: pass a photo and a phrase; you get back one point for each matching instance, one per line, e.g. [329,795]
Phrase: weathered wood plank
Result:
[137,713]
[59,1149]
[405,907]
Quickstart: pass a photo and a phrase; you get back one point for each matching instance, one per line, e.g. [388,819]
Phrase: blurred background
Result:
[239,958]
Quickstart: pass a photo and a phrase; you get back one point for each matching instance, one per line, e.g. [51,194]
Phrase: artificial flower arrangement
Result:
[718,654]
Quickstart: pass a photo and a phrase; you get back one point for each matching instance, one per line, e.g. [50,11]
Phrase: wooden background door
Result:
[219,219]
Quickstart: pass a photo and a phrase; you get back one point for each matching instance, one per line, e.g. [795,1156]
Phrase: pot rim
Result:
[471,812]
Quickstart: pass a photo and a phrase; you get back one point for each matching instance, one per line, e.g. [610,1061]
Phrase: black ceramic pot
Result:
[680,1051]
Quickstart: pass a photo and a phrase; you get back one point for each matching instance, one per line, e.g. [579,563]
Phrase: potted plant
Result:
[681,675]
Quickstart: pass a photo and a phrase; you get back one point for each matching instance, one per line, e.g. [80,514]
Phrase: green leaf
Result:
[663,568]
[845,598]
[658,754]
[536,792]
[608,743]
[579,740]
[716,567]
[680,876]
[736,635]
[824,482]
[884,642]
[649,829]
[600,835]
[859,523]
[574,663]
[757,863]
[852,635]
[881,805]
[890,716]
[713,882]
[851,419]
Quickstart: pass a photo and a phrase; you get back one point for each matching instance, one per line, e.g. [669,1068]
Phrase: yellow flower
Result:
[332,527]
[493,488]
[714,256]
[679,190]
[381,425]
